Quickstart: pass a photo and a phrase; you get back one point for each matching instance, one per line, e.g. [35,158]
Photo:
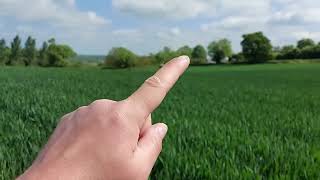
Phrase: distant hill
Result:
[89,58]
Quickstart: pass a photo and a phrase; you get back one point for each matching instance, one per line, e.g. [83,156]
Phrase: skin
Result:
[109,139]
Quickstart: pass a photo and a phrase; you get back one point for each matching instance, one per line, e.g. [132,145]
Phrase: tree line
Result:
[256,48]
[50,54]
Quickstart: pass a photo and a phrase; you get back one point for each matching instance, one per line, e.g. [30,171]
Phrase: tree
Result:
[310,52]
[305,43]
[30,51]
[185,50]
[58,54]
[238,57]
[15,55]
[165,55]
[199,55]
[256,47]
[2,49]
[43,55]
[52,41]
[4,52]
[120,58]
[219,50]
[289,52]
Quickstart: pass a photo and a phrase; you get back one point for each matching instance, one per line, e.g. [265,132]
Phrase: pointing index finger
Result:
[149,96]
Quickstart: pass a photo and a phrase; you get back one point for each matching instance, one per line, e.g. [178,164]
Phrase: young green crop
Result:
[238,122]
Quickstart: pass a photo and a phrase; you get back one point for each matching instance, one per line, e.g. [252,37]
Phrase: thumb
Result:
[150,146]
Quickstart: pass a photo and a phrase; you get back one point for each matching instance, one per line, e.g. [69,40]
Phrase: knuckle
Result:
[101,102]
[66,116]
[81,109]
[116,117]
[155,81]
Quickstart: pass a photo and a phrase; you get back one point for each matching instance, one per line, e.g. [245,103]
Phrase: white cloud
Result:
[306,34]
[96,20]
[175,31]
[242,23]
[125,32]
[244,7]
[24,29]
[55,12]
[186,9]
[296,12]
[180,9]
[168,34]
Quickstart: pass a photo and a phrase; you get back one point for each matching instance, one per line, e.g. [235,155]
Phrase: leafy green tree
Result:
[310,52]
[289,52]
[307,52]
[16,51]
[165,55]
[185,50]
[52,41]
[58,55]
[43,55]
[4,52]
[238,57]
[120,58]
[305,43]
[218,50]
[199,55]
[256,47]
[2,49]
[30,51]
[276,49]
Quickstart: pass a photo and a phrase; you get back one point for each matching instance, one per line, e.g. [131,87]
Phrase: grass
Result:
[295,61]
[225,122]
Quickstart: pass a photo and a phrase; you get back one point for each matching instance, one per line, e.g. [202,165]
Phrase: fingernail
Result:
[184,58]
[162,131]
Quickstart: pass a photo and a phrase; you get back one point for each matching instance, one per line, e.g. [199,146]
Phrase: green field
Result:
[225,122]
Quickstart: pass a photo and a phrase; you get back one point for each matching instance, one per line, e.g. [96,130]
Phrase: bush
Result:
[310,52]
[288,52]
[291,52]
[120,58]
[56,60]
[57,55]
[145,61]
[165,55]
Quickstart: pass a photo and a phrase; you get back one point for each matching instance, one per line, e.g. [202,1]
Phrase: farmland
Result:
[225,122]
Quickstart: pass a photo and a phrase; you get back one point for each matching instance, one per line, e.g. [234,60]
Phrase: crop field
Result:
[225,122]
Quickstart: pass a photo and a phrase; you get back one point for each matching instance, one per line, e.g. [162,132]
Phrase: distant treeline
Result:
[88,58]
[50,54]
[256,48]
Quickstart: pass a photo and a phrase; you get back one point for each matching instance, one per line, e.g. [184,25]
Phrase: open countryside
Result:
[248,106]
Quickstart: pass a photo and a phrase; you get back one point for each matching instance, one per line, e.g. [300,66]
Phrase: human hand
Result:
[108,139]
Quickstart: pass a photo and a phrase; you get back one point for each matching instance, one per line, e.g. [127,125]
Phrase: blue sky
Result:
[145,26]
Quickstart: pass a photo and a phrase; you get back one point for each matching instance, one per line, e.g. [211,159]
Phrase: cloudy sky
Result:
[94,26]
